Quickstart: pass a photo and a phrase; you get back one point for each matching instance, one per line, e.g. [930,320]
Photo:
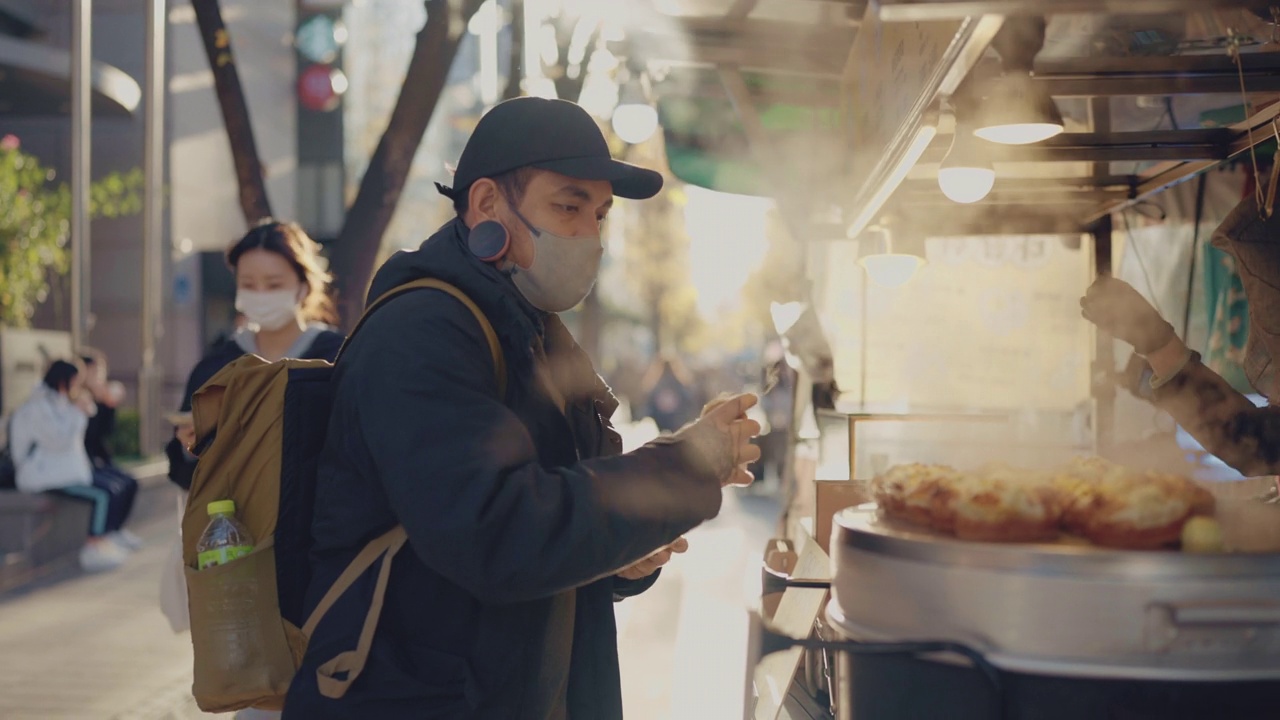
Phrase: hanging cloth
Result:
[1228,310]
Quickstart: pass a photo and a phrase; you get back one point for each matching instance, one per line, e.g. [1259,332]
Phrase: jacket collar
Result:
[522,328]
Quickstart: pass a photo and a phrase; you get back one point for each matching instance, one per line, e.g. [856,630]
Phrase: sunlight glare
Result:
[727,243]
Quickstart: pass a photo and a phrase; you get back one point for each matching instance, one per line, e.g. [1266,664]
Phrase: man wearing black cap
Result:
[525,522]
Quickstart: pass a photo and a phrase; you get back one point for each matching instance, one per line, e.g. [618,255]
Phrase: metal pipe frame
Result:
[984,220]
[1090,77]
[930,196]
[1157,145]
[1187,153]
[153,254]
[1043,184]
[81,139]
[1159,76]
[1245,136]
[1102,387]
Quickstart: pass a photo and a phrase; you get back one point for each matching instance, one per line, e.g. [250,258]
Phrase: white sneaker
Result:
[126,540]
[101,556]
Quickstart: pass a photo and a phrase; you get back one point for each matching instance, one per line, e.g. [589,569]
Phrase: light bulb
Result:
[1017,111]
[891,270]
[1019,133]
[635,122]
[966,184]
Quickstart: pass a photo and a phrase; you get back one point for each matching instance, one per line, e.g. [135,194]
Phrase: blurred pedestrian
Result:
[282,292]
[50,456]
[106,396]
[671,394]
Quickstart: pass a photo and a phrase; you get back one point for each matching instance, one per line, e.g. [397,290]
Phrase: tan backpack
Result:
[260,428]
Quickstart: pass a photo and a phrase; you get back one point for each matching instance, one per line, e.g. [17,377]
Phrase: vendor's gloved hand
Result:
[721,438]
[1115,307]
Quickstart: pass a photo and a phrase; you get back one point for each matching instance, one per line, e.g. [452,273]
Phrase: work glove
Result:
[1120,311]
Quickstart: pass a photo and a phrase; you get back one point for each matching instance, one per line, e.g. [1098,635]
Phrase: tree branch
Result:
[516,62]
[235,110]
[360,239]
[570,88]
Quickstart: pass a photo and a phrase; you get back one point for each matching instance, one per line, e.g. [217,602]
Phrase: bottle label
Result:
[222,555]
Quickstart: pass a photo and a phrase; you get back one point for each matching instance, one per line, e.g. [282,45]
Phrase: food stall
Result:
[959,172]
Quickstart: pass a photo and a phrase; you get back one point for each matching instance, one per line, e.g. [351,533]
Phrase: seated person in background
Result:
[49,456]
[282,290]
[106,397]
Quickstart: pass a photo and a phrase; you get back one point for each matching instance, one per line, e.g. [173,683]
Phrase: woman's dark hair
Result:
[60,375]
[291,242]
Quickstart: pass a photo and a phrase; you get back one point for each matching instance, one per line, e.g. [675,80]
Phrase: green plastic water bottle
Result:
[225,539]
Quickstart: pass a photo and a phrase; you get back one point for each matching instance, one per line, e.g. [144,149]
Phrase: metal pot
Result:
[1060,610]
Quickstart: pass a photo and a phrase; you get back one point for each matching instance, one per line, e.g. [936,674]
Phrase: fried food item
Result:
[1110,505]
[1136,515]
[917,493]
[1005,505]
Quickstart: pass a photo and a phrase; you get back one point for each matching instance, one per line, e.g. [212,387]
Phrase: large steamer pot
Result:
[1071,631]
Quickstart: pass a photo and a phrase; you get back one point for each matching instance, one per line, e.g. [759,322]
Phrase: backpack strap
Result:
[350,664]
[495,348]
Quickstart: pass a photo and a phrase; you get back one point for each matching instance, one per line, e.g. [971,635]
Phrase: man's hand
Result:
[722,438]
[186,436]
[1115,307]
[650,565]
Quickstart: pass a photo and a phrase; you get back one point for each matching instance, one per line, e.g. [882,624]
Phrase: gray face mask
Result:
[563,270]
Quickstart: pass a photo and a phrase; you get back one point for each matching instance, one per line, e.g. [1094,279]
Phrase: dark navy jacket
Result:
[518,513]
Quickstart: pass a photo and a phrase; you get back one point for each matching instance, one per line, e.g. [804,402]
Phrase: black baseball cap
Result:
[554,135]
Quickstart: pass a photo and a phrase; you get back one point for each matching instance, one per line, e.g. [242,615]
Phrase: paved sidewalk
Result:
[96,647]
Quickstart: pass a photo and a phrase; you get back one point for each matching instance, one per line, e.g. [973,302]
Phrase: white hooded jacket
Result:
[47,442]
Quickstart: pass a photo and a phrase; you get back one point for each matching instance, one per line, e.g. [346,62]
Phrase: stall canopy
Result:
[850,107]
[749,92]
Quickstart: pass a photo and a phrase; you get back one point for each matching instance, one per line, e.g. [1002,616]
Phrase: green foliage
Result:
[125,442]
[35,225]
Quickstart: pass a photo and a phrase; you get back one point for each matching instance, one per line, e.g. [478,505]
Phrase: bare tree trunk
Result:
[570,79]
[515,64]
[235,110]
[356,250]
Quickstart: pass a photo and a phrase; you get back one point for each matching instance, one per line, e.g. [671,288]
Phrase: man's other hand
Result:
[724,434]
[650,565]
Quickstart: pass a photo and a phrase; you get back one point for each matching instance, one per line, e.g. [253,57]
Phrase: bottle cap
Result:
[222,507]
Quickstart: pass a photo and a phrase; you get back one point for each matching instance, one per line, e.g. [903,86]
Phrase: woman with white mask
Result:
[282,294]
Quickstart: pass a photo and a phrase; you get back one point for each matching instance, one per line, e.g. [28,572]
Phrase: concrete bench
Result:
[42,534]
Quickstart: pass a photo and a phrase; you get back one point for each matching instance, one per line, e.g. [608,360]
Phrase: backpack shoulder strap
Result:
[491,336]
[334,677]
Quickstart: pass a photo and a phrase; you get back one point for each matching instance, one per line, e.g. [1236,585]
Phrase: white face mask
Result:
[563,270]
[268,310]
